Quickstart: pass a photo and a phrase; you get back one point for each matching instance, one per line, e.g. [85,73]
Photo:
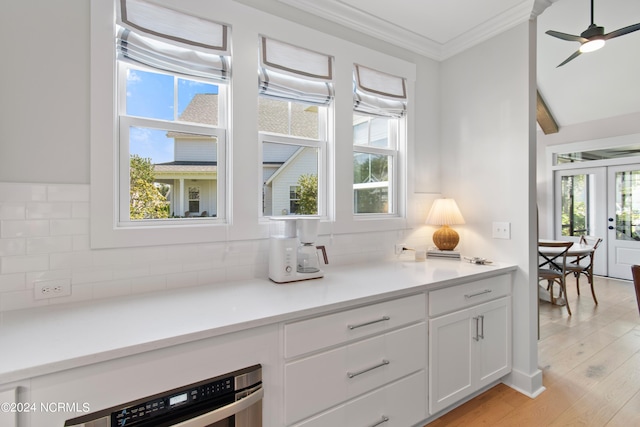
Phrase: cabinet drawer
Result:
[316,383]
[321,332]
[463,296]
[401,403]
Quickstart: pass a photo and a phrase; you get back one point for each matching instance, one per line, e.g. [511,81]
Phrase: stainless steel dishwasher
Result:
[229,400]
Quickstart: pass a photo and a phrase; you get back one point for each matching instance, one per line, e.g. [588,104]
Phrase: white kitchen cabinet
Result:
[398,404]
[469,348]
[337,375]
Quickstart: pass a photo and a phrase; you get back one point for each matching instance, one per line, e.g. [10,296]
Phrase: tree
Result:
[308,193]
[145,200]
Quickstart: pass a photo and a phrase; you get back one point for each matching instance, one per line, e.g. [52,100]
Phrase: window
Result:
[171,103]
[379,108]
[295,93]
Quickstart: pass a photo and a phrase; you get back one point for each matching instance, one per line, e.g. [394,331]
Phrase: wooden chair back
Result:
[553,260]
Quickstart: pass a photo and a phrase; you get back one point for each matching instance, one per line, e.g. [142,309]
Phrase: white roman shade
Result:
[173,41]
[378,93]
[291,73]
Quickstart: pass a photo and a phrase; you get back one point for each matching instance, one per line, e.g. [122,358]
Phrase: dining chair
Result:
[583,264]
[635,270]
[552,267]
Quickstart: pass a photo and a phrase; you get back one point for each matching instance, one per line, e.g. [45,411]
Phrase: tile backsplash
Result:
[44,235]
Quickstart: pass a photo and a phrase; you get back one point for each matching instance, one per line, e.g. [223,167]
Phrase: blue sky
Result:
[151,95]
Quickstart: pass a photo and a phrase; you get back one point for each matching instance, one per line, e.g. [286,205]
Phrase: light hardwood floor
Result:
[590,363]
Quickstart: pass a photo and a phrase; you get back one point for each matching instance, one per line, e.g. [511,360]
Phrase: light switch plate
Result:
[501,230]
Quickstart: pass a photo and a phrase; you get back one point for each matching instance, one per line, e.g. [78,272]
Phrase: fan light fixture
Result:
[592,45]
[593,38]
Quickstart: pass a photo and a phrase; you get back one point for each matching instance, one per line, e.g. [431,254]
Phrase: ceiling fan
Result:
[591,39]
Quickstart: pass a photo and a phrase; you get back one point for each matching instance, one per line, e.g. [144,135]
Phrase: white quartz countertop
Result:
[49,339]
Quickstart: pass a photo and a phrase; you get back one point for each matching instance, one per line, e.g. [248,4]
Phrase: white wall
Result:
[488,164]
[44,125]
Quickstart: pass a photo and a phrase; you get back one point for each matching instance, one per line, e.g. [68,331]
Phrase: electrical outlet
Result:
[502,230]
[55,288]
[399,248]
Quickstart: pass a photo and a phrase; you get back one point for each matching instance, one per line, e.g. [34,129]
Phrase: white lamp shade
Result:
[444,212]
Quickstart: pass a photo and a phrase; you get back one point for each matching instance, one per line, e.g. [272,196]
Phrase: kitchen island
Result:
[158,340]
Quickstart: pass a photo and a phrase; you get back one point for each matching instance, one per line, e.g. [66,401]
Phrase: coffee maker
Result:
[293,255]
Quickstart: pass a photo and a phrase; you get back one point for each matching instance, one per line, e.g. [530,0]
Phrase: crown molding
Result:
[355,19]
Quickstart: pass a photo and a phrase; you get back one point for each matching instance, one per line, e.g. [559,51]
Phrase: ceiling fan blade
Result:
[574,56]
[568,37]
[622,31]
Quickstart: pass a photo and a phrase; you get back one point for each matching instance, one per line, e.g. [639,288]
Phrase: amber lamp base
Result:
[446,238]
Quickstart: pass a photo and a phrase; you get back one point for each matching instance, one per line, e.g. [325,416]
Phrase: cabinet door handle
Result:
[486,291]
[355,374]
[382,319]
[382,421]
[477,337]
[481,326]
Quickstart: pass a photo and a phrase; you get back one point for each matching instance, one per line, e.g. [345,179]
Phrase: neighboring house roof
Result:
[203,109]
[284,166]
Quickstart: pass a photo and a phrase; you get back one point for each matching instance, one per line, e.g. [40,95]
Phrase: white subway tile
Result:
[12,282]
[61,227]
[12,192]
[23,264]
[9,247]
[47,245]
[27,228]
[182,280]
[10,210]
[42,210]
[112,288]
[148,284]
[130,272]
[71,260]
[91,275]
[68,192]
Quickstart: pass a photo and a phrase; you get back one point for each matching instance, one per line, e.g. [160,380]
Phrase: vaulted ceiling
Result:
[594,86]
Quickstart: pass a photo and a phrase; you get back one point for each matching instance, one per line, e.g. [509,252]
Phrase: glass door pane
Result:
[575,208]
[627,217]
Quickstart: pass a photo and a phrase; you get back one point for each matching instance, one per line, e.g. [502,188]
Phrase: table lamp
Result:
[445,212]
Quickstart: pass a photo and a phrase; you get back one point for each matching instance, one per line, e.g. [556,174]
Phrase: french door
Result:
[602,202]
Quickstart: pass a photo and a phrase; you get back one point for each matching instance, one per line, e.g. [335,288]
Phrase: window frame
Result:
[126,122]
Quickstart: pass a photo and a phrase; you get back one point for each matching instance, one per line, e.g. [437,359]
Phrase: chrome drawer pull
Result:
[486,291]
[355,374]
[369,323]
[382,421]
